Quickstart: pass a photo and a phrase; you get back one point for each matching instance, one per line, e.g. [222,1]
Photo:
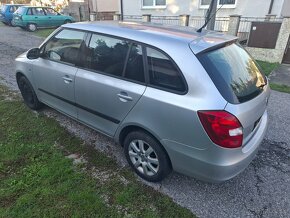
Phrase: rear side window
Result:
[107,54]
[162,71]
[234,73]
[64,46]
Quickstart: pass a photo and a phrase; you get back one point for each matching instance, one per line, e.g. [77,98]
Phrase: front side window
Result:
[107,54]
[50,11]
[64,46]
[221,3]
[162,71]
[37,11]
[153,3]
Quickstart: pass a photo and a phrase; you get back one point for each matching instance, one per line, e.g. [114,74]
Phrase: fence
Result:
[132,18]
[170,20]
[246,23]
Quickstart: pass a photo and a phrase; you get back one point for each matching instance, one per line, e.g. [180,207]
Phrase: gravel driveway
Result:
[262,190]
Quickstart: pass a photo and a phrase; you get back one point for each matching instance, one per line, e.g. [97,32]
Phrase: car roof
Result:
[148,32]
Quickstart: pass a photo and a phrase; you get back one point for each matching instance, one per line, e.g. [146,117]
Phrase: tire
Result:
[31,27]
[146,156]
[67,21]
[28,94]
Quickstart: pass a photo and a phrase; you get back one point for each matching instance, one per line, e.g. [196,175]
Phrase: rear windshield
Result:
[3,8]
[234,73]
[20,10]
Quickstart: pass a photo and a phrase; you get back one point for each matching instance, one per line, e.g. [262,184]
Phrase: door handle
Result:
[49,17]
[67,79]
[35,17]
[124,97]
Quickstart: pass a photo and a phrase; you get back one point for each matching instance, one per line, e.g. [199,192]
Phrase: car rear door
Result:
[110,82]
[55,71]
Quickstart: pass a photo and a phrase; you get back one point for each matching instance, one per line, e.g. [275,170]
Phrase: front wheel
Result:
[28,94]
[146,156]
[31,27]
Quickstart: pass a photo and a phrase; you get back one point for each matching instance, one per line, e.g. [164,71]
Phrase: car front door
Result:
[55,71]
[37,16]
[53,17]
[110,83]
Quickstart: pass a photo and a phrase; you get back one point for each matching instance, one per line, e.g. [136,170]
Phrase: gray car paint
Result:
[170,117]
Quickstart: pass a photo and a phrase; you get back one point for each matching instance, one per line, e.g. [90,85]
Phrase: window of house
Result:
[223,3]
[163,72]
[153,3]
[64,46]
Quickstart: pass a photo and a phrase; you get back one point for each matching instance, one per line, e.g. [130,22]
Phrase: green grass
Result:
[43,32]
[267,67]
[38,180]
[280,88]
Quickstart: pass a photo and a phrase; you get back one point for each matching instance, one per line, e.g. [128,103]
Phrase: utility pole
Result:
[211,23]
[122,10]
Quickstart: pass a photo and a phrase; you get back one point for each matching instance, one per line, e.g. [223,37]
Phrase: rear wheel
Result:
[28,94]
[31,27]
[146,156]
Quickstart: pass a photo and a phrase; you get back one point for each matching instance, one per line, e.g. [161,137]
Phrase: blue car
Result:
[6,13]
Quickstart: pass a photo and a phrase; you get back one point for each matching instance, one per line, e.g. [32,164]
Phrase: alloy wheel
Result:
[143,157]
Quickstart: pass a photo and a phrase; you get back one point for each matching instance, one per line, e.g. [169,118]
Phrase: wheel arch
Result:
[135,127]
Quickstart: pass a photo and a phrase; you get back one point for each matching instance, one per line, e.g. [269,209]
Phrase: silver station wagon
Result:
[174,98]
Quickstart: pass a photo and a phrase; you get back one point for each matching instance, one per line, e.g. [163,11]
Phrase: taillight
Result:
[223,128]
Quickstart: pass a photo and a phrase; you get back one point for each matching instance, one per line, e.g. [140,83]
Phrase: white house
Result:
[246,8]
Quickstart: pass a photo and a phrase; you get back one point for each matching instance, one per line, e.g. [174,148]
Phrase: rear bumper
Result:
[216,164]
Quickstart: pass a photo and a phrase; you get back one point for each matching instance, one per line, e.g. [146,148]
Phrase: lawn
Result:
[44,32]
[267,68]
[37,179]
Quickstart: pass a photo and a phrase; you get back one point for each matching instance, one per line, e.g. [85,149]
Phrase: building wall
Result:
[286,8]
[105,5]
[248,8]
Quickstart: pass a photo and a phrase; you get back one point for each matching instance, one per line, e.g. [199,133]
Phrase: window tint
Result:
[162,72]
[107,54]
[64,46]
[12,9]
[38,11]
[50,11]
[234,73]
[20,10]
[135,68]
[29,12]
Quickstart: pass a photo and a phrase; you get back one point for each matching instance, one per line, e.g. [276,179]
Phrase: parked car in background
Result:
[32,18]
[6,13]
[174,98]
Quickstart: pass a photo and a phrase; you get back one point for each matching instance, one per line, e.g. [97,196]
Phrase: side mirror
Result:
[33,53]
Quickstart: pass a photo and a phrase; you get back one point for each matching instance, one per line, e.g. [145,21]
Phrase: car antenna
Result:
[208,17]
